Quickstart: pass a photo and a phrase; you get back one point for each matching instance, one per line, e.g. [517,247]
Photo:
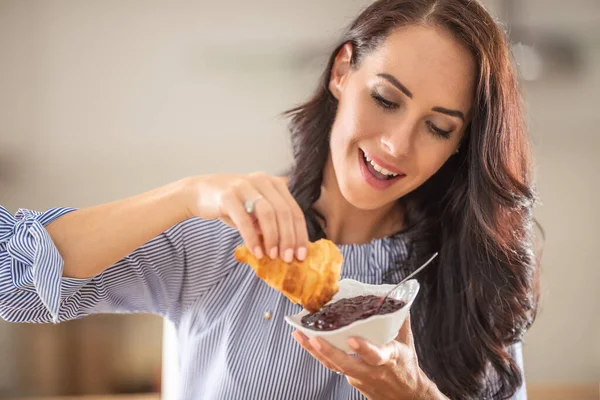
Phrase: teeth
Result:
[379,168]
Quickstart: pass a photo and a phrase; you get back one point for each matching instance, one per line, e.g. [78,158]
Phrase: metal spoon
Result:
[380,303]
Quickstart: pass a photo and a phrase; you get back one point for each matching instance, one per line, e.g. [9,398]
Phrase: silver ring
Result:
[337,372]
[249,204]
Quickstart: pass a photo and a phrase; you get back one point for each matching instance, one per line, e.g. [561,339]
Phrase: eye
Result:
[437,131]
[383,102]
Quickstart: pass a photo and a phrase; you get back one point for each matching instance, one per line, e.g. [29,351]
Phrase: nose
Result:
[399,140]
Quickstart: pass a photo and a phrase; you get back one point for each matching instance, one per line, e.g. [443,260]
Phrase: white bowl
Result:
[378,329]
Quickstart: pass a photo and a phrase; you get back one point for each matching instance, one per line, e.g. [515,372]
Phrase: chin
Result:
[363,197]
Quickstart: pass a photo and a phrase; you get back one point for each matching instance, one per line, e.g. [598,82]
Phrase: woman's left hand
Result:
[388,372]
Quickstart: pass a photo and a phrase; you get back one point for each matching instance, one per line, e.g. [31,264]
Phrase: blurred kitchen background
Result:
[100,100]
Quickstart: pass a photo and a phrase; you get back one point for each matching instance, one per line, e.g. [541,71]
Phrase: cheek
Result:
[355,121]
[342,133]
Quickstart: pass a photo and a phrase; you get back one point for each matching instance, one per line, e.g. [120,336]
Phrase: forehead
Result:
[437,68]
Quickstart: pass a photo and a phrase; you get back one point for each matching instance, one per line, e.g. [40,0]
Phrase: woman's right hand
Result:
[276,227]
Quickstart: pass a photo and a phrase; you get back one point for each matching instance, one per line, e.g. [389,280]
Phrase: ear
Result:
[339,71]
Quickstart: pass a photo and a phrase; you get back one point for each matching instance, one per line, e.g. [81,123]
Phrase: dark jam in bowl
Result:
[345,311]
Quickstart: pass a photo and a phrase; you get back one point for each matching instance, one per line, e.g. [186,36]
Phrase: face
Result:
[401,113]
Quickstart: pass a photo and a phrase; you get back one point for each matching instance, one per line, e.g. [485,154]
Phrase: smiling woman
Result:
[423,106]
[414,143]
[401,128]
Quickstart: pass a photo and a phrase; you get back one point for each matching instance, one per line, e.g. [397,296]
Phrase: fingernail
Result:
[353,343]
[258,253]
[288,255]
[273,253]
[301,253]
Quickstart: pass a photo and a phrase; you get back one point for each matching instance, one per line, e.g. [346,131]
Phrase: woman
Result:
[413,143]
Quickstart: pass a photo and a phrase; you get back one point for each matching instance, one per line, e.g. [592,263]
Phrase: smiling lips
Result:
[378,174]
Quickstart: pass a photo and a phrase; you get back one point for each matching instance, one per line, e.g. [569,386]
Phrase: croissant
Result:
[311,282]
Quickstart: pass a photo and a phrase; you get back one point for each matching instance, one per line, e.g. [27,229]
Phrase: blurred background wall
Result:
[100,100]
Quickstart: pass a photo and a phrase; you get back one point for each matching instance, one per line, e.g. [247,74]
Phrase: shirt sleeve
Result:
[161,277]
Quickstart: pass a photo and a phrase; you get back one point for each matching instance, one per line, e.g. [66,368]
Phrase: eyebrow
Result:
[396,83]
[391,79]
[452,113]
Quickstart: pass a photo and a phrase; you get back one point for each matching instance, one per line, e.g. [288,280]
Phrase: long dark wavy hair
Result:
[482,294]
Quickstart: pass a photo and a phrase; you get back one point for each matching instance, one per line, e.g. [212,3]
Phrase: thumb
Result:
[405,334]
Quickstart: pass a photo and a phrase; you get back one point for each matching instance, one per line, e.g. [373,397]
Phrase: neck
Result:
[346,224]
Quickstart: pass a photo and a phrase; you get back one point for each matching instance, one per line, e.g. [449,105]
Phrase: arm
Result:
[92,239]
[113,258]
[161,276]
[36,249]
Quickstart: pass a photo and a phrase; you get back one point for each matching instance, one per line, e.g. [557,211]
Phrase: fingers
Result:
[305,343]
[370,353]
[331,357]
[280,218]
[403,346]
[283,243]
[342,362]
[377,356]
[298,220]
[232,206]
[266,216]
[276,227]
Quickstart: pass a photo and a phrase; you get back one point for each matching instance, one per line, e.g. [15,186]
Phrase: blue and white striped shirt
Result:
[227,348]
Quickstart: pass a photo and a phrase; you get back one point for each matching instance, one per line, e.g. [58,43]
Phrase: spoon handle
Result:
[415,272]
[404,280]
